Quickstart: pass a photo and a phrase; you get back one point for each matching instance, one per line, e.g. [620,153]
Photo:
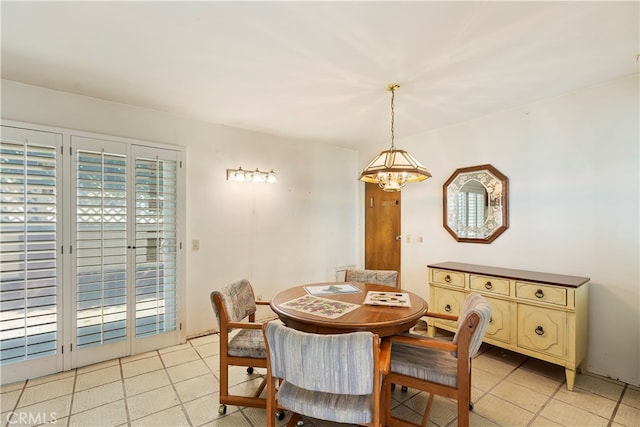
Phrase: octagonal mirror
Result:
[475,204]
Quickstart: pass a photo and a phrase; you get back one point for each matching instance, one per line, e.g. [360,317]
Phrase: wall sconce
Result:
[257,175]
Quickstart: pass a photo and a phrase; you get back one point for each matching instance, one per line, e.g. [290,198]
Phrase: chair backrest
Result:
[339,364]
[382,277]
[475,303]
[238,301]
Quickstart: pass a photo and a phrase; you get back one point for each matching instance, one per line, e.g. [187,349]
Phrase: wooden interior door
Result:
[382,229]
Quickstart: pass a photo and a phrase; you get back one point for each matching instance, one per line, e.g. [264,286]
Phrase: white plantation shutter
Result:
[156,245]
[101,252]
[28,233]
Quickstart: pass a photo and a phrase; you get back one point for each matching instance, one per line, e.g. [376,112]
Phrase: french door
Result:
[117,263]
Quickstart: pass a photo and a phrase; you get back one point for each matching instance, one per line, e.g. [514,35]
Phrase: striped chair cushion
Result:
[474,303]
[353,409]
[425,364]
[247,343]
[340,364]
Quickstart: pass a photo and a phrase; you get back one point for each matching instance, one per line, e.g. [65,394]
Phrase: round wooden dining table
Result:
[384,320]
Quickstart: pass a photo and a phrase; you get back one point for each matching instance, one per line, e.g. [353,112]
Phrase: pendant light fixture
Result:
[393,168]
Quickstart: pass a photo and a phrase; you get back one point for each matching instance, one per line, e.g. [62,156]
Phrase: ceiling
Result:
[319,70]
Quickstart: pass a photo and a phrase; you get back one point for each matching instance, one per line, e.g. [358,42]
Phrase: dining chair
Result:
[241,340]
[436,366]
[333,377]
[381,277]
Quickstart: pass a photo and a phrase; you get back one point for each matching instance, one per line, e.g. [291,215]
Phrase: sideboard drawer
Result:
[541,293]
[494,285]
[448,302]
[445,277]
[500,323]
[542,330]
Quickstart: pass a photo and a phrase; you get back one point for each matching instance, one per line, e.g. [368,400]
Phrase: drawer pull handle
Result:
[488,286]
[539,293]
[447,278]
[447,308]
[539,330]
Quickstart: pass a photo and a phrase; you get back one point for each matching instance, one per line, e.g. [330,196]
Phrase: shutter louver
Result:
[101,251]
[28,232]
[156,246]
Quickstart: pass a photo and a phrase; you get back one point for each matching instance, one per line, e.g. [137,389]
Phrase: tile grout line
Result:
[208,369]
[15,406]
[546,402]
[124,392]
[73,395]
[240,409]
[486,350]
[519,366]
[173,386]
[90,388]
[615,410]
[205,363]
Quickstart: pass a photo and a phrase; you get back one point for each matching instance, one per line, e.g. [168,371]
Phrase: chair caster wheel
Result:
[280,415]
[470,406]
[404,388]
[249,370]
[222,409]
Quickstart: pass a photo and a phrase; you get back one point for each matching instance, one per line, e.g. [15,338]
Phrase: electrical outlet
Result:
[195,244]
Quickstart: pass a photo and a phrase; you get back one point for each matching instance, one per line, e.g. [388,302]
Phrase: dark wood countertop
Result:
[507,273]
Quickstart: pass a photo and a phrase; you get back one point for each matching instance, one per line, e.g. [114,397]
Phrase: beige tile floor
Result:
[178,386]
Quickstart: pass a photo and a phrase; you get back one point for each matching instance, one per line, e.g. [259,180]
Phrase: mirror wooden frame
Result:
[497,189]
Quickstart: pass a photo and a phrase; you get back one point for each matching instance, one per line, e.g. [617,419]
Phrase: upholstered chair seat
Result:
[247,343]
[425,364]
[352,409]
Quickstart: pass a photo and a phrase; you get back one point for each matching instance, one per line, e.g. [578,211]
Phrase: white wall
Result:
[296,231]
[572,163]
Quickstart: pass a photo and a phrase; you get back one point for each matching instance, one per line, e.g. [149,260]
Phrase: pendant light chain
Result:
[393,88]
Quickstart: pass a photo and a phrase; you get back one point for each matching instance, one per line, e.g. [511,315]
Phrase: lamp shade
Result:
[392,169]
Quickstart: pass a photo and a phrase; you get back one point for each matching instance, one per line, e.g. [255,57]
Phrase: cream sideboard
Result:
[540,315]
